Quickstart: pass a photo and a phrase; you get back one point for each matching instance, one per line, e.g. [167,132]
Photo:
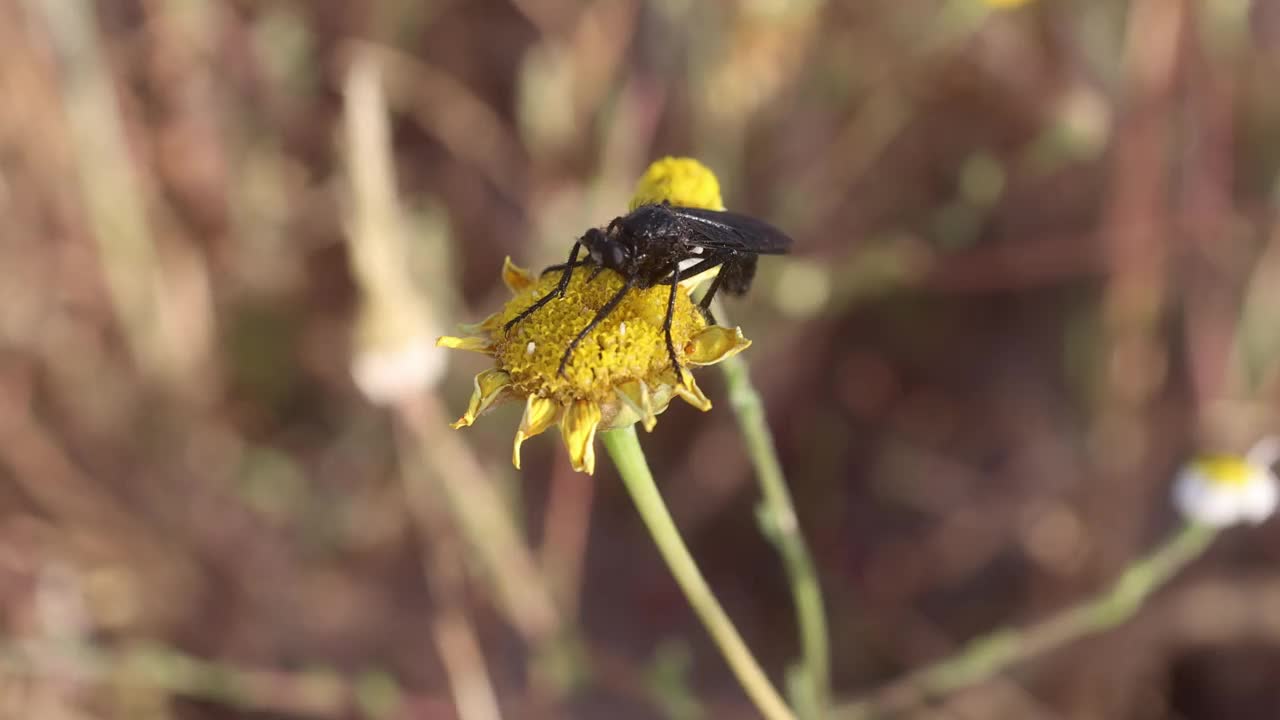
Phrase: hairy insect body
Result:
[641,246]
[657,245]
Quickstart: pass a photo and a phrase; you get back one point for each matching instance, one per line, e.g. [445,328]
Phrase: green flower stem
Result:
[779,519]
[624,448]
[986,656]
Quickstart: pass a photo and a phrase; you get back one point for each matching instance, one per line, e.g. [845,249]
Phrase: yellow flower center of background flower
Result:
[1226,469]
[679,181]
[627,345]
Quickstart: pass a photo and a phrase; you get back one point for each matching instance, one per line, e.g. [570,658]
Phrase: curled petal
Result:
[539,414]
[579,430]
[635,395]
[474,344]
[715,344]
[516,278]
[489,386]
[484,327]
[689,391]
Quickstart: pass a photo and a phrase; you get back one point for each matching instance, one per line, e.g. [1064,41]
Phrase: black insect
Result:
[658,245]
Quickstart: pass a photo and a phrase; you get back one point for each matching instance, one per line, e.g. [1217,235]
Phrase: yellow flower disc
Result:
[1225,469]
[620,372]
[627,345]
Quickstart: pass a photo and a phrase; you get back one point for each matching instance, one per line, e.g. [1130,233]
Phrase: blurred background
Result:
[1037,266]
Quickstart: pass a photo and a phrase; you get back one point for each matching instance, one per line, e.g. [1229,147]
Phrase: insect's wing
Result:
[724,230]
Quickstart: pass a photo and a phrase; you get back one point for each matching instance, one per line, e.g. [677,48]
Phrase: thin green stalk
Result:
[778,517]
[624,449]
[986,656]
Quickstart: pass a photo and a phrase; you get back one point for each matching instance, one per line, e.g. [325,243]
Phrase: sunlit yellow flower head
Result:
[679,181]
[620,373]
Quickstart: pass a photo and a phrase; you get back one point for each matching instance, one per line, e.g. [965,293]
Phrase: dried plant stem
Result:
[566,527]
[777,513]
[624,449]
[993,653]
[485,522]
[318,693]
[521,591]
[456,639]
[163,316]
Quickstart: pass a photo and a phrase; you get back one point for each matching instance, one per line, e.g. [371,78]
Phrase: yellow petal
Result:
[539,414]
[635,395]
[689,283]
[484,327]
[691,393]
[489,386]
[517,278]
[716,343]
[686,378]
[474,344]
[579,431]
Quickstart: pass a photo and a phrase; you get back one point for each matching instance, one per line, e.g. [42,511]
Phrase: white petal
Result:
[1261,499]
[1222,504]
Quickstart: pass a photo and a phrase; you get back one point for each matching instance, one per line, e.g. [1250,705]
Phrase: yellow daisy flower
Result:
[621,372]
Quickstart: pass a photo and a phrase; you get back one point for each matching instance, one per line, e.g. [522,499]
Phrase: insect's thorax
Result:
[654,239]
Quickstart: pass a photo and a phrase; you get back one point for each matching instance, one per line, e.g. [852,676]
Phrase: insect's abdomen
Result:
[736,274]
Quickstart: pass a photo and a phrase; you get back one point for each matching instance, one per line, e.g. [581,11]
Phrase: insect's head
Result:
[605,251]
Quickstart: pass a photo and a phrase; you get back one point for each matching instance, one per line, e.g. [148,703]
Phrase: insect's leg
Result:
[601,315]
[557,291]
[699,267]
[564,266]
[704,305]
[671,311]
[694,270]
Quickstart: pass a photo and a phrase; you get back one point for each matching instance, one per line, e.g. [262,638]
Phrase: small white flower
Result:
[1225,490]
